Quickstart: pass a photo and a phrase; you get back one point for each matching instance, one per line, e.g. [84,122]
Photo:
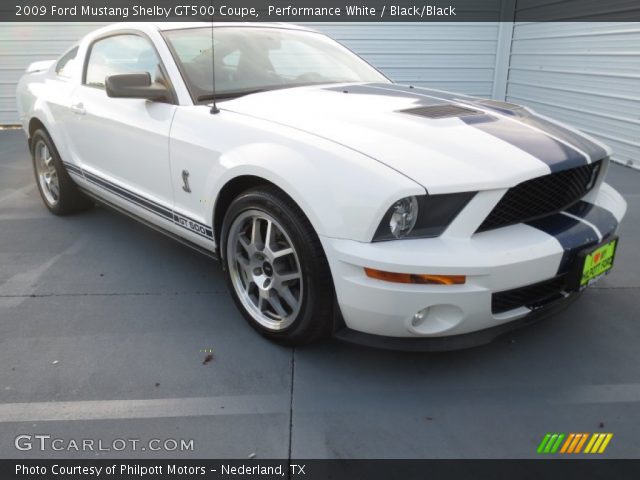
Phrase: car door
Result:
[121,144]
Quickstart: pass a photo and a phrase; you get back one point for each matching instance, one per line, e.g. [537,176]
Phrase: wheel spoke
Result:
[283,252]
[267,237]
[244,263]
[248,247]
[274,301]
[287,296]
[255,232]
[53,186]
[287,277]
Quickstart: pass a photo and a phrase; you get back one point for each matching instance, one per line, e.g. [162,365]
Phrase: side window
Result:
[66,63]
[117,55]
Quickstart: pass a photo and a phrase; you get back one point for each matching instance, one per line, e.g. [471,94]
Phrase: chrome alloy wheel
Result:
[47,173]
[264,269]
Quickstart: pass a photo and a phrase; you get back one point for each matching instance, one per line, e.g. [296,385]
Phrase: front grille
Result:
[542,196]
[445,110]
[532,296]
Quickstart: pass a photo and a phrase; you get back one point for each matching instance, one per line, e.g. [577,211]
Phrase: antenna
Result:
[214,107]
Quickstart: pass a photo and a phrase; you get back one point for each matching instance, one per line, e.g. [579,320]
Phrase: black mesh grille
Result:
[542,196]
[442,111]
[532,296]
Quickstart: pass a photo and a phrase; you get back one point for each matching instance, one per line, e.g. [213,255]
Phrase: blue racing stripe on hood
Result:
[557,155]
[519,114]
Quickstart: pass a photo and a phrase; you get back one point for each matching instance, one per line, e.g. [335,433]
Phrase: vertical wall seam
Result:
[503,50]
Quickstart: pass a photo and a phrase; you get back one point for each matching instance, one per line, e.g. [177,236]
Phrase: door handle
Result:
[78,108]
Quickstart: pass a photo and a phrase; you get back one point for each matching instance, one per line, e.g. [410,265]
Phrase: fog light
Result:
[419,317]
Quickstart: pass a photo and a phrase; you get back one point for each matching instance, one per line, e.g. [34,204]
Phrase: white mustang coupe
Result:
[337,201]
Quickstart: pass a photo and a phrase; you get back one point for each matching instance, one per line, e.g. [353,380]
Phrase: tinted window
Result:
[67,62]
[120,54]
[253,58]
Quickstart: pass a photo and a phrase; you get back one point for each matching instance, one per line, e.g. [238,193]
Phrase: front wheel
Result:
[276,268]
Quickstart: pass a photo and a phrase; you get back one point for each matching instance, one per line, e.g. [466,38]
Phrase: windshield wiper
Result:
[241,93]
[223,95]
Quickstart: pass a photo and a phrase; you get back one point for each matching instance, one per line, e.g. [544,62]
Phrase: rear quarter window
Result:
[65,65]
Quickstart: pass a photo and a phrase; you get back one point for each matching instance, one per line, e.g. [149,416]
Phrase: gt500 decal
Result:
[136,199]
[193,226]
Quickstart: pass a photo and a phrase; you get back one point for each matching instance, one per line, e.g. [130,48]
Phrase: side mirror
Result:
[135,85]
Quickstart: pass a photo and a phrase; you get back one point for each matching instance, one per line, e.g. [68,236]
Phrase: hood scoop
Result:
[500,105]
[445,110]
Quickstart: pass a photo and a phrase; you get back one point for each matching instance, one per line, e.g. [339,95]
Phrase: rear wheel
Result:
[276,268]
[59,194]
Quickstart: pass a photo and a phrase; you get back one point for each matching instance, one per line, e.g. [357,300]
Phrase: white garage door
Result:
[587,74]
[23,43]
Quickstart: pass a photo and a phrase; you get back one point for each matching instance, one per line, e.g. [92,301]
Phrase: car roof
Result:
[167,26]
[184,25]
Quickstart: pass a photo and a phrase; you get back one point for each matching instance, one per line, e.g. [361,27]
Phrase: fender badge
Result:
[185,181]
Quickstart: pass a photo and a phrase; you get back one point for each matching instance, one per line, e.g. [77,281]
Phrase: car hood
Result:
[444,141]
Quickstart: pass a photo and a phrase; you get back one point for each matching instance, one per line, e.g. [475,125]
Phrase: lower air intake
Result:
[532,296]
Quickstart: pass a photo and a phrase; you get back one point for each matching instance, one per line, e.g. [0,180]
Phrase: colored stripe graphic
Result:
[572,443]
[598,442]
[543,443]
[581,443]
[605,443]
[551,442]
[567,443]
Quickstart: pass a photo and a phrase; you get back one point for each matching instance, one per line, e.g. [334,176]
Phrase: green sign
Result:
[598,262]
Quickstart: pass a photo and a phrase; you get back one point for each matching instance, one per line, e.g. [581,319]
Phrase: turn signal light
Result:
[421,279]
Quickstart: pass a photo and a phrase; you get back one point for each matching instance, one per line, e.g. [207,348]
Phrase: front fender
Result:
[343,193]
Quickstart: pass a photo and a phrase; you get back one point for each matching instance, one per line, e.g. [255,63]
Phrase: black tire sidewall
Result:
[313,320]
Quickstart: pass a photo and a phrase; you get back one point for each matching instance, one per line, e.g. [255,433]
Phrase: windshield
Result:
[251,59]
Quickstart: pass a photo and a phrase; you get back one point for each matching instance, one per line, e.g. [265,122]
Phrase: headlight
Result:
[403,217]
[422,216]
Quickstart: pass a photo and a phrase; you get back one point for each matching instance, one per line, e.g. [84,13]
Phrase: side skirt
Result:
[146,223]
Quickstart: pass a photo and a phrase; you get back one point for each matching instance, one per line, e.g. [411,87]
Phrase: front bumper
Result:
[493,261]
[453,342]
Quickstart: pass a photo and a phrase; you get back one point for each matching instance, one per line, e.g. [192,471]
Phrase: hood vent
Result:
[446,110]
[499,104]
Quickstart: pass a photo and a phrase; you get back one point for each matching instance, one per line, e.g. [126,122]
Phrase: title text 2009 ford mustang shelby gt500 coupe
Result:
[337,201]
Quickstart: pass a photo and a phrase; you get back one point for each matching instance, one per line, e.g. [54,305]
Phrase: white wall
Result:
[587,74]
[23,43]
[448,56]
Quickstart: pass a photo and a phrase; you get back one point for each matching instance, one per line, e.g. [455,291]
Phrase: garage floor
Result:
[104,326]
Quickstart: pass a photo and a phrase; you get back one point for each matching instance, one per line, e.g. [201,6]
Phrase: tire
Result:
[282,287]
[58,192]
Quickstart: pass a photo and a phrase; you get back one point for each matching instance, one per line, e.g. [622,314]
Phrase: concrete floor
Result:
[103,324]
